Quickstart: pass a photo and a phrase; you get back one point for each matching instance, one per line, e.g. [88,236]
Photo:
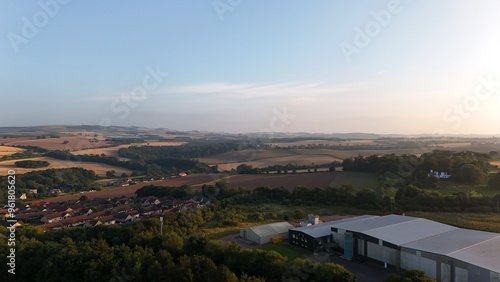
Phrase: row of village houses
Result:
[54,216]
[121,183]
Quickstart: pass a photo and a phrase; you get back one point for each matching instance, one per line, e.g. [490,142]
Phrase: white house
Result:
[440,175]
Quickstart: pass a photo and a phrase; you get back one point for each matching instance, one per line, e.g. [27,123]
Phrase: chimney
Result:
[313,219]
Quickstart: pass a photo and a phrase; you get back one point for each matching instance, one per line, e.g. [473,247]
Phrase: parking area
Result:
[364,271]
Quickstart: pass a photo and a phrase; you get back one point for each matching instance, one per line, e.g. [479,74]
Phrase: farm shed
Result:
[262,234]
[444,252]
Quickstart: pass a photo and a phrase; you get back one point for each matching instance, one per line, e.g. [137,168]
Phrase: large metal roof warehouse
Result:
[444,252]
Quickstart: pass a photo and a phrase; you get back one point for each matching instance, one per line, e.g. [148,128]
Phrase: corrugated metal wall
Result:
[411,261]
[478,274]
[445,272]
[495,277]
[461,275]
[383,254]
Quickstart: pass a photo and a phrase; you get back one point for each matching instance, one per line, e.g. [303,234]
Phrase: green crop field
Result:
[479,221]
[450,188]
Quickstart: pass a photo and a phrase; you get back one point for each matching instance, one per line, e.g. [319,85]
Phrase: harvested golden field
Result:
[294,160]
[246,156]
[497,163]
[480,147]
[326,143]
[265,158]
[7,151]
[344,154]
[74,143]
[452,145]
[98,168]
[113,151]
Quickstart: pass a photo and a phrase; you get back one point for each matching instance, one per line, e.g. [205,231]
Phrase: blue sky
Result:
[409,67]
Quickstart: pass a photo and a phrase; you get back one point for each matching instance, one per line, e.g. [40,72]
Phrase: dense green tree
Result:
[494,181]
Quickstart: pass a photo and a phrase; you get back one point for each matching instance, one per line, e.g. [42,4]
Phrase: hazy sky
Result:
[246,66]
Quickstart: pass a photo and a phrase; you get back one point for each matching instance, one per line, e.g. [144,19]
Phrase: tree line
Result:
[30,152]
[31,164]
[187,151]
[138,252]
[76,179]
[464,167]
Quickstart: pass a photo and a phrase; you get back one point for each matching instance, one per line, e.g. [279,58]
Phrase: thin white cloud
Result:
[102,98]
[249,91]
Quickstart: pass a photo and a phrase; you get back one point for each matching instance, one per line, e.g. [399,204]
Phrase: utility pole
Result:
[161,225]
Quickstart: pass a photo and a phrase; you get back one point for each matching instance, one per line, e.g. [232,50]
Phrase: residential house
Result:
[439,175]
[127,217]
[51,226]
[99,214]
[150,210]
[41,203]
[184,207]
[149,200]
[55,217]
[92,223]
[199,202]
[101,200]
[7,224]
[30,214]
[75,221]
[122,209]
[55,191]
[106,220]
[122,201]
[170,203]
[63,209]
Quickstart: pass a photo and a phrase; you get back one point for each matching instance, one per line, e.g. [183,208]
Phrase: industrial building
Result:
[444,252]
[263,234]
[315,235]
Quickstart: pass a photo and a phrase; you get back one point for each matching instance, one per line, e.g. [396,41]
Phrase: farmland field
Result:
[7,151]
[112,192]
[246,156]
[98,168]
[485,222]
[246,181]
[74,143]
[452,145]
[326,143]
[289,181]
[450,188]
[468,146]
[358,180]
[265,158]
[113,151]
